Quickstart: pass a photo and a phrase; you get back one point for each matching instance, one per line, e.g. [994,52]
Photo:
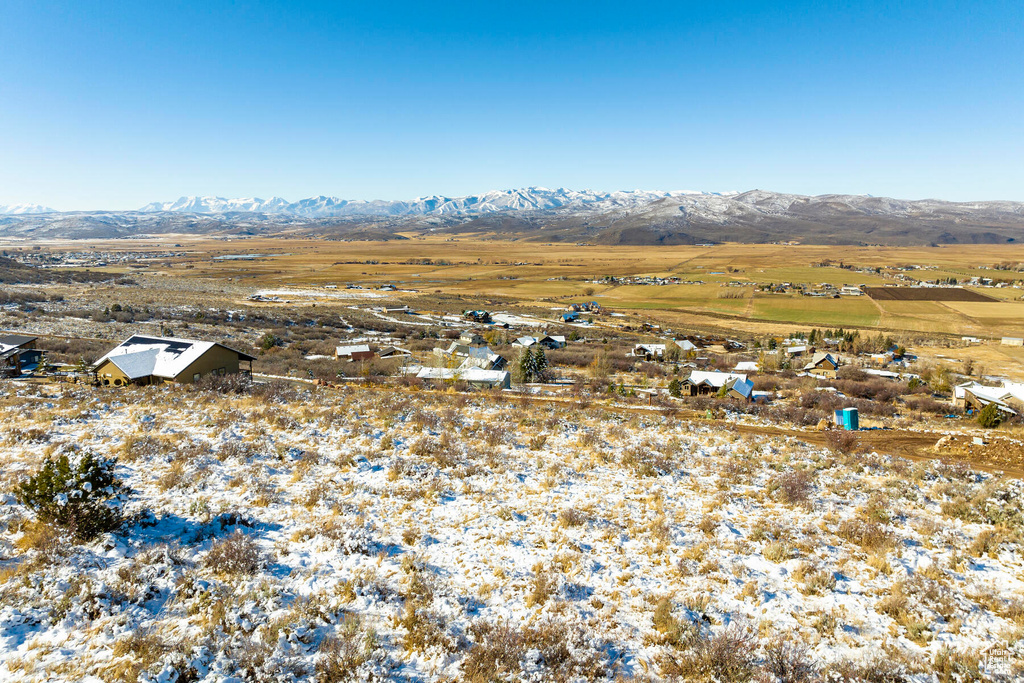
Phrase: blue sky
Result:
[114,104]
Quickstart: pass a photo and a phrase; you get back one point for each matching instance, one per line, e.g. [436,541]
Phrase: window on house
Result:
[222,371]
[195,377]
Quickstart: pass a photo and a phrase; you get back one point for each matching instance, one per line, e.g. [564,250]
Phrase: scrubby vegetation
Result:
[386,534]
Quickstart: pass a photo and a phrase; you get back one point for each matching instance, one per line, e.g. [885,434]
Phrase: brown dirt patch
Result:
[997,451]
[924,294]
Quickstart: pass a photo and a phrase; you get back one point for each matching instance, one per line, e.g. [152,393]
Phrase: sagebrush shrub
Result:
[841,441]
[236,554]
[730,655]
[79,493]
[794,488]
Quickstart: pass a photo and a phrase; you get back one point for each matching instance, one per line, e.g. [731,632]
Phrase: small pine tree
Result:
[269,341]
[79,493]
[675,388]
[523,370]
[989,416]
[540,365]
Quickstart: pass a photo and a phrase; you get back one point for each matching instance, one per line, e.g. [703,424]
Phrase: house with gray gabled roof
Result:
[702,383]
[823,365]
[142,360]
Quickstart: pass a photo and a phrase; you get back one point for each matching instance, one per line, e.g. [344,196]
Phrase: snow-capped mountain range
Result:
[22,209]
[537,213]
[528,199]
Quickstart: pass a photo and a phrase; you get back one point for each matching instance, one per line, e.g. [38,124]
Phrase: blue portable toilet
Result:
[848,419]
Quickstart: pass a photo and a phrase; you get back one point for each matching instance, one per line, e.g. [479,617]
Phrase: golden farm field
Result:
[548,274]
[846,311]
[1008,317]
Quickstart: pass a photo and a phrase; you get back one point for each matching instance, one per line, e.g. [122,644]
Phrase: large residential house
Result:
[464,356]
[17,350]
[703,383]
[142,360]
[823,365]
[649,352]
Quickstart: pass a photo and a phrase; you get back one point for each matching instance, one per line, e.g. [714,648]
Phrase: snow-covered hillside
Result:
[386,535]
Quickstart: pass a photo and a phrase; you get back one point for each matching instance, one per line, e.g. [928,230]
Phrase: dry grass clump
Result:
[789,661]
[537,442]
[878,669]
[952,666]
[49,540]
[238,554]
[133,655]
[986,543]
[425,629]
[931,593]
[241,451]
[670,630]
[573,517]
[440,451]
[730,655]
[870,536]
[645,462]
[341,655]
[793,488]
[173,477]
[842,441]
[314,495]
[27,435]
[816,580]
[896,605]
[142,447]
[777,551]
[494,434]
[553,651]
[543,585]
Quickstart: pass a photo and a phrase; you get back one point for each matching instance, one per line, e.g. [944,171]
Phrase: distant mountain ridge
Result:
[631,217]
[526,199]
[22,209]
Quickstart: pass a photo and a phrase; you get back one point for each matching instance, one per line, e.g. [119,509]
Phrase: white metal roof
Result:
[349,350]
[469,374]
[715,379]
[157,356]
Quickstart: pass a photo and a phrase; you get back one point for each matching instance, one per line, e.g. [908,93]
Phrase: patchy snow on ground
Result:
[322,294]
[380,534]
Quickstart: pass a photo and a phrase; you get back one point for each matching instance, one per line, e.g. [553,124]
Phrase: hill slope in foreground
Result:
[387,535]
[634,218]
